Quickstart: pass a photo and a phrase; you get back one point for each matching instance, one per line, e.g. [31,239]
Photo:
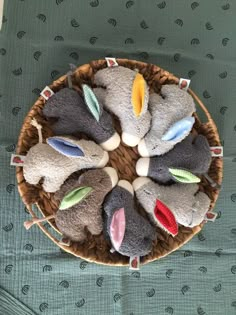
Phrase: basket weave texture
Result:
[123,159]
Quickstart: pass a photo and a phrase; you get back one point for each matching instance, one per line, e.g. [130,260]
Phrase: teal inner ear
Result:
[91,101]
[65,147]
[184,176]
[74,197]
[179,129]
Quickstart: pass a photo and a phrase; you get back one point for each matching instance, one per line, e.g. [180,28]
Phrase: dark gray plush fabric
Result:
[139,233]
[74,116]
[88,213]
[192,154]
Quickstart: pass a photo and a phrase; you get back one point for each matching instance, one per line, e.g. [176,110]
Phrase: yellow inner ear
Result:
[138,92]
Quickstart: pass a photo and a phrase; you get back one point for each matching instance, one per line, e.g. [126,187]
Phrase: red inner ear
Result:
[166,218]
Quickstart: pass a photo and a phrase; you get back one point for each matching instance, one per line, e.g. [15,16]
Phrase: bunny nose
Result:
[112,173]
[142,166]
[126,185]
[112,143]
[139,182]
[104,160]
[142,149]
[130,140]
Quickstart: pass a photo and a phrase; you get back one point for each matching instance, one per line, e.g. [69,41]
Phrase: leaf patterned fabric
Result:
[192,39]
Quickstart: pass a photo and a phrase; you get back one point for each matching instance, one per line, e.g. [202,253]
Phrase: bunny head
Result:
[85,151]
[133,134]
[189,157]
[171,120]
[159,172]
[99,179]
[106,135]
[169,206]
[75,114]
[97,182]
[55,105]
[80,203]
[126,95]
[129,232]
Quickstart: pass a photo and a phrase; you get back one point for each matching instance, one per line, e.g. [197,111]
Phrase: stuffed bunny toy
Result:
[189,157]
[81,204]
[57,159]
[169,206]
[126,96]
[171,120]
[129,232]
[87,115]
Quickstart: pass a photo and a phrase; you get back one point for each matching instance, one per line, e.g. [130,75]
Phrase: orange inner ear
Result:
[138,92]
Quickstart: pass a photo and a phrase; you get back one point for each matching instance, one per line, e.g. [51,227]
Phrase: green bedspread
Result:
[194,39]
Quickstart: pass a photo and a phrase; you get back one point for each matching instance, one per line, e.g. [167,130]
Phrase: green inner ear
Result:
[74,197]
[91,101]
[183,176]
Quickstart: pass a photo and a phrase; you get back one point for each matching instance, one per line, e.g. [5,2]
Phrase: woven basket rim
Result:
[60,83]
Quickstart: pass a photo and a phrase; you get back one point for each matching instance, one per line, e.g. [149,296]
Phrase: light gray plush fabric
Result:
[43,161]
[192,154]
[87,213]
[139,233]
[74,116]
[187,204]
[166,109]
[117,98]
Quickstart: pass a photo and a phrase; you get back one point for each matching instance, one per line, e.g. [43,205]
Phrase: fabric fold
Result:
[9,305]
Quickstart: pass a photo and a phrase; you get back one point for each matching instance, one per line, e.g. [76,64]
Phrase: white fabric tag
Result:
[210,216]
[216,151]
[17,160]
[65,241]
[184,84]
[134,263]
[46,93]
[111,62]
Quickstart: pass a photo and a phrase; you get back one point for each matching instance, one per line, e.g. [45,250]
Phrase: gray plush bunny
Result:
[171,120]
[126,95]
[57,159]
[129,232]
[87,115]
[192,155]
[169,206]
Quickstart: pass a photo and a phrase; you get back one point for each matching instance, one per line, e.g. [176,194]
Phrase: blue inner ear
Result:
[65,147]
[179,129]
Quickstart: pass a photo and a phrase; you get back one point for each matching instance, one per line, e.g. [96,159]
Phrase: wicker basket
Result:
[124,158]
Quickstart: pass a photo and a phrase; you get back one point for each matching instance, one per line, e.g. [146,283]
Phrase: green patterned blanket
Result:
[192,39]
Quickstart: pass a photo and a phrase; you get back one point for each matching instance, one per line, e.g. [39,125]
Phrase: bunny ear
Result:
[74,197]
[138,94]
[183,176]
[165,218]
[91,101]
[65,147]
[179,129]
[117,228]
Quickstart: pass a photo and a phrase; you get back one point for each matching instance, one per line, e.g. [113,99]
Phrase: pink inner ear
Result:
[166,218]
[117,228]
